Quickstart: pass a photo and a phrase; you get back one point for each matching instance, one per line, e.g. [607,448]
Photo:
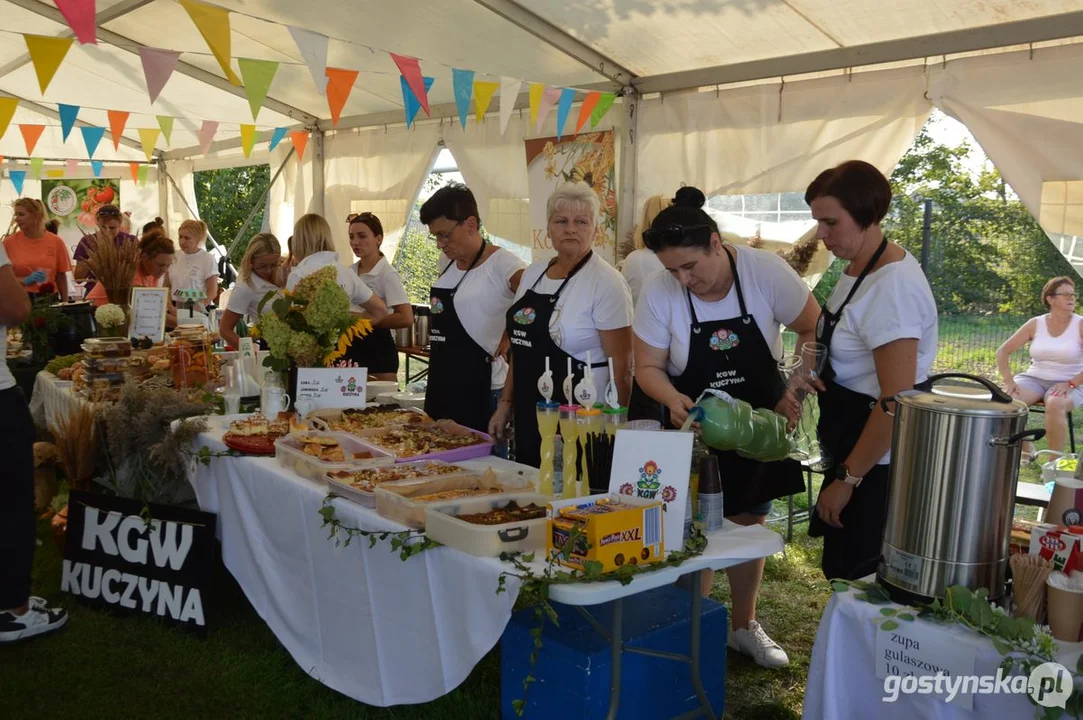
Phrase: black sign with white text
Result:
[114,558]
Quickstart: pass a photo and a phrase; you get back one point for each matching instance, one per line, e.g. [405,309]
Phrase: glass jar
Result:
[191,358]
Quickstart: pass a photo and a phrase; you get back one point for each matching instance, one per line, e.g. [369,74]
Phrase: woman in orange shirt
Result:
[156,253]
[38,257]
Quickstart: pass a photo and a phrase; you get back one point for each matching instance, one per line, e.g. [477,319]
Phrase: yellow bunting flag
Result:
[213,25]
[248,138]
[483,95]
[35,167]
[165,122]
[257,75]
[133,167]
[46,53]
[54,173]
[117,120]
[7,112]
[299,138]
[31,134]
[149,138]
[536,92]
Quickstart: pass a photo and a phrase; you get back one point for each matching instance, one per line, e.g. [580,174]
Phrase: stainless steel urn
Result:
[954,465]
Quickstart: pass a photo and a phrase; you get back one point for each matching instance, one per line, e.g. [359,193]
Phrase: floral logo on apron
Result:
[649,484]
[525,316]
[436,305]
[724,340]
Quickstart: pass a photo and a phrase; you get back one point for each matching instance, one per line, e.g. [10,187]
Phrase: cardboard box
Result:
[631,535]
[1058,544]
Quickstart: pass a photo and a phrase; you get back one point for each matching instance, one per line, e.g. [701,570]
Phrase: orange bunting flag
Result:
[339,86]
[46,53]
[134,168]
[7,112]
[299,138]
[483,95]
[589,103]
[31,134]
[248,138]
[117,120]
[213,24]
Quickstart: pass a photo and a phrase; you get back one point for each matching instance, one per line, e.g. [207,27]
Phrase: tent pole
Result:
[263,201]
[193,213]
[629,149]
[316,204]
[163,195]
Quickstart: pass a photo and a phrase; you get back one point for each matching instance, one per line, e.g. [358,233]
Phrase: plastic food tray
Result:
[368,498]
[289,454]
[482,449]
[106,365]
[442,526]
[395,501]
[409,414]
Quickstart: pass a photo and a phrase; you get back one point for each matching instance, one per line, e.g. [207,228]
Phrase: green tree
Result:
[226,197]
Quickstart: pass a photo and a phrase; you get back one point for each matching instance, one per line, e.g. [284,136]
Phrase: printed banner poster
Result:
[73,203]
[590,158]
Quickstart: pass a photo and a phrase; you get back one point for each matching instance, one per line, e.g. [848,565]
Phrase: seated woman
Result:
[1056,360]
[156,253]
[258,276]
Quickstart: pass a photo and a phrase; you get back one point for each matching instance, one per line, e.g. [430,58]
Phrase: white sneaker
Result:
[36,621]
[755,643]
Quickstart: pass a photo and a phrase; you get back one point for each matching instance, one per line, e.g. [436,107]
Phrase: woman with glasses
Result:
[377,350]
[575,307]
[258,276]
[468,363]
[1056,360]
[714,321]
[110,223]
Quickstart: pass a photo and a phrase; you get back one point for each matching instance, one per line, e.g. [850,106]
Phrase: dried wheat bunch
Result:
[76,440]
[113,263]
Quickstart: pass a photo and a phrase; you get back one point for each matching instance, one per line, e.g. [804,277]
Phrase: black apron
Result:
[530,341]
[460,370]
[376,351]
[731,355]
[854,551]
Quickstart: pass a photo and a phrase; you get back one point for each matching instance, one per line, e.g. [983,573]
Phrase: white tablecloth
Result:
[52,399]
[842,682]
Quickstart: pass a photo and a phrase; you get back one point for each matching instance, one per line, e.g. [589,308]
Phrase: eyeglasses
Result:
[1067,295]
[675,235]
[265,267]
[443,236]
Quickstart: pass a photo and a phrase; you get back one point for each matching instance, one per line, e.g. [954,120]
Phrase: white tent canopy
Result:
[734,96]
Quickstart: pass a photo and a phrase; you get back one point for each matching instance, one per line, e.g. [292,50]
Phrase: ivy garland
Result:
[406,543]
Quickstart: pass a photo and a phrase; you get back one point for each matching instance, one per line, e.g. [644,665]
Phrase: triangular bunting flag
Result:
[536,92]
[548,100]
[339,86]
[276,137]
[248,138]
[80,17]
[604,103]
[158,66]
[257,75]
[563,108]
[7,112]
[141,175]
[586,109]
[206,135]
[91,137]
[149,138]
[96,166]
[35,167]
[133,167]
[299,138]
[412,72]
[68,113]
[18,177]
[46,53]
[410,101]
[313,47]
[509,95]
[463,82]
[73,166]
[165,123]
[483,95]
[213,25]
[117,120]
[54,173]
[31,134]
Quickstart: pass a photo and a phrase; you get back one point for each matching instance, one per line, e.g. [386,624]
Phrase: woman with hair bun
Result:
[714,320]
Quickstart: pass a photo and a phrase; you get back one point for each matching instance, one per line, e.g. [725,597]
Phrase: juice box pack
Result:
[1058,544]
[613,529]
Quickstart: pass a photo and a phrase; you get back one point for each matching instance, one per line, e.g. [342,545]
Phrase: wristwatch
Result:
[842,472]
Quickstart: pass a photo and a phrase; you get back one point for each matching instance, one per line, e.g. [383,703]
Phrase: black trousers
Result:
[18,532]
[854,551]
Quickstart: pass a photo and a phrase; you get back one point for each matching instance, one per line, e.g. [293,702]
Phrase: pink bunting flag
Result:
[206,135]
[548,100]
[80,16]
[72,166]
[412,72]
[158,65]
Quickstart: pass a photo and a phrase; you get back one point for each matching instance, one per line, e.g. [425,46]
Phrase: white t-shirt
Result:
[774,296]
[385,282]
[638,267]
[894,302]
[482,302]
[245,297]
[597,298]
[354,286]
[191,271]
[7,380]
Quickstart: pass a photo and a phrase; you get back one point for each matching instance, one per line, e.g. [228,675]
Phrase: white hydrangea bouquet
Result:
[111,320]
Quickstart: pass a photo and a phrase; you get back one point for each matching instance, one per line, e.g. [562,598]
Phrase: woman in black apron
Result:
[377,351]
[849,202]
[730,354]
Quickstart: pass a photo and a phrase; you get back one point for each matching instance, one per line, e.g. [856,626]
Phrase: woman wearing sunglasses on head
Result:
[110,228]
[714,320]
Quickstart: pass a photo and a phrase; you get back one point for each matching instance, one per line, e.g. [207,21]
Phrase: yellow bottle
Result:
[548,417]
[569,431]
